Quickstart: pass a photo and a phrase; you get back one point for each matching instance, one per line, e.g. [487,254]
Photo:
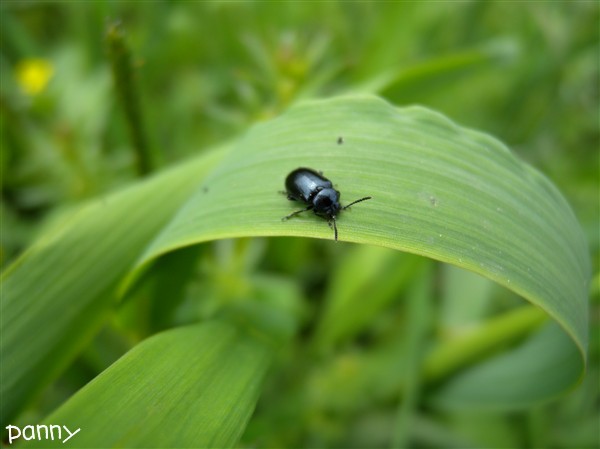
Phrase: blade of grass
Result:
[120,59]
[193,386]
[454,354]
[59,292]
[419,314]
[439,190]
[376,273]
[406,84]
[547,363]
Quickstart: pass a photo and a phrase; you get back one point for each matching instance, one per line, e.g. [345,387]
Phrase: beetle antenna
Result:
[357,201]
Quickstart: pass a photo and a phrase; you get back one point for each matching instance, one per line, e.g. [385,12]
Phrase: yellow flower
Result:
[33,75]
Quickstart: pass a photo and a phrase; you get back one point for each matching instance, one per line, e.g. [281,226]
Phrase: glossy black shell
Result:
[312,188]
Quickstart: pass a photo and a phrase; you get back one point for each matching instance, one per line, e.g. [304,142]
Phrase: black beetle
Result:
[316,191]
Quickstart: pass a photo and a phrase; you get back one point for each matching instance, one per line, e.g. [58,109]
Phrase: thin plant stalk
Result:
[123,74]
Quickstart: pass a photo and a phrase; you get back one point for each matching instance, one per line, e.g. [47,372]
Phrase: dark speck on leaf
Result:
[340,140]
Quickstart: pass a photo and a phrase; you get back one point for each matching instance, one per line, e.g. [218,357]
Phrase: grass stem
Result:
[122,68]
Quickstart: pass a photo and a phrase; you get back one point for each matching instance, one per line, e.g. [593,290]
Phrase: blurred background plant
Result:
[526,73]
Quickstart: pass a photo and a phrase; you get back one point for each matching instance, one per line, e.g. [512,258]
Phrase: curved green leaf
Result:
[439,190]
[59,292]
[193,386]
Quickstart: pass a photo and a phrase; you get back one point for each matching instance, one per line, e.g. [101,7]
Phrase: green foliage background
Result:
[344,372]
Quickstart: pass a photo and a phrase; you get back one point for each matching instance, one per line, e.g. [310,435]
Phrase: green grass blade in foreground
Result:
[193,386]
[439,190]
[60,290]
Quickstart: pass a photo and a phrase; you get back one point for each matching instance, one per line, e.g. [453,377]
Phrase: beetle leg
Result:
[334,227]
[287,217]
[289,197]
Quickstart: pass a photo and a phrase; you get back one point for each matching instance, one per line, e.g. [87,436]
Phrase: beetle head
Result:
[327,203]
